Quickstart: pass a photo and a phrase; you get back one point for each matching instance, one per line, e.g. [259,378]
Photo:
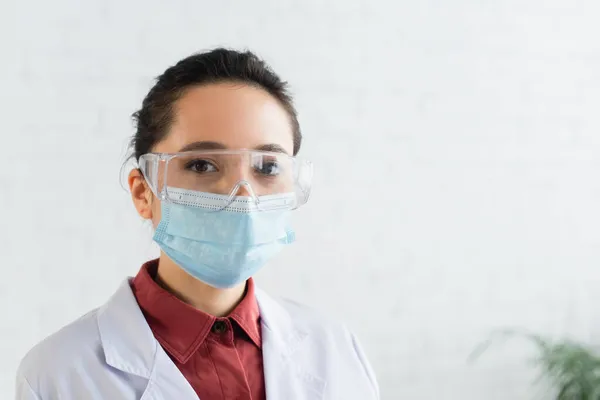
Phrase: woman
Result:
[216,144]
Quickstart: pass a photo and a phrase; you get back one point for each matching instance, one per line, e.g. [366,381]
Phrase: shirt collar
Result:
[181,328]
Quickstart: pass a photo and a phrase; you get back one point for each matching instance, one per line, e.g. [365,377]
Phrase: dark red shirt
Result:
[221,358]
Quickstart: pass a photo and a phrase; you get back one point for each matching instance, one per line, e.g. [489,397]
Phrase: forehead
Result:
[233,114]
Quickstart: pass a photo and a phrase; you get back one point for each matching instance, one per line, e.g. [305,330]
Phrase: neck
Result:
[213,301]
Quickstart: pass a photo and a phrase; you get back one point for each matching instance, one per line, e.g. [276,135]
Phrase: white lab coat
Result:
[111,353]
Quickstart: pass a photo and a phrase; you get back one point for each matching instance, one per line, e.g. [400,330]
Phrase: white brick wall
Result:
[457,161]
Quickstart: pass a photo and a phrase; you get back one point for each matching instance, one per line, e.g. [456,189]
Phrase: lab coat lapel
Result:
[287,374]
[167,382]
[130,346]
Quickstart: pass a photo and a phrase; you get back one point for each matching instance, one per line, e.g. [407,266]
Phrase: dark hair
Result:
[153,120]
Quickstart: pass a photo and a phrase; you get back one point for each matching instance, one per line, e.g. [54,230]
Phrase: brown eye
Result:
[268,168]
[200,166]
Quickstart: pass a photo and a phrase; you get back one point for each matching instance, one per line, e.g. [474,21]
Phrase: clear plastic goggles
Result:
[218,178]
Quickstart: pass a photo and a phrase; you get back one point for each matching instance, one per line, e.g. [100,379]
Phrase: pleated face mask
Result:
[223,247]
[207,227]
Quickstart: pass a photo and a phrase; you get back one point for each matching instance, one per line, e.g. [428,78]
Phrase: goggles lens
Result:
[227,174]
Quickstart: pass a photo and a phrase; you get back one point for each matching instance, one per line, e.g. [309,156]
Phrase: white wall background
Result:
[457,154]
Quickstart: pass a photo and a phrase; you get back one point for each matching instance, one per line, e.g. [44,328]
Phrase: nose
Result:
[238,179]
[243,188]
[232,178]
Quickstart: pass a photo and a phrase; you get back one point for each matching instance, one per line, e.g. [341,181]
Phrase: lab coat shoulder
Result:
[66,353]
[330,344]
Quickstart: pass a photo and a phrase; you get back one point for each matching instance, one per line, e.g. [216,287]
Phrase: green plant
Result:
[572,369]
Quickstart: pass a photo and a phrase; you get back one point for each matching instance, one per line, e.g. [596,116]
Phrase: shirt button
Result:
[219,327]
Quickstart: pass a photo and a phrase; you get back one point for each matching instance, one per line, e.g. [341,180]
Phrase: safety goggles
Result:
[218,178]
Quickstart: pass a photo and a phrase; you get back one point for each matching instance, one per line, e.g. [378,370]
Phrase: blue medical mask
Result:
[223,247]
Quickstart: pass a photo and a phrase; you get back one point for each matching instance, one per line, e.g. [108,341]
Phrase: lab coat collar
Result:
[128,342]
[130,346]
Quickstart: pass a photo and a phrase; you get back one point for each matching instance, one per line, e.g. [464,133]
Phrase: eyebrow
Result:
[202,146]
[271,147]
[207,145]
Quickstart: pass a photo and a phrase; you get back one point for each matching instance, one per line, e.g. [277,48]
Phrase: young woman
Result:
[216,144]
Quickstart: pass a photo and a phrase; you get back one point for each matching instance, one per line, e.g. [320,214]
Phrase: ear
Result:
[140,193]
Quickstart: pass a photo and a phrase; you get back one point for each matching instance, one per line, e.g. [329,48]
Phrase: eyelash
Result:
[191,164]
